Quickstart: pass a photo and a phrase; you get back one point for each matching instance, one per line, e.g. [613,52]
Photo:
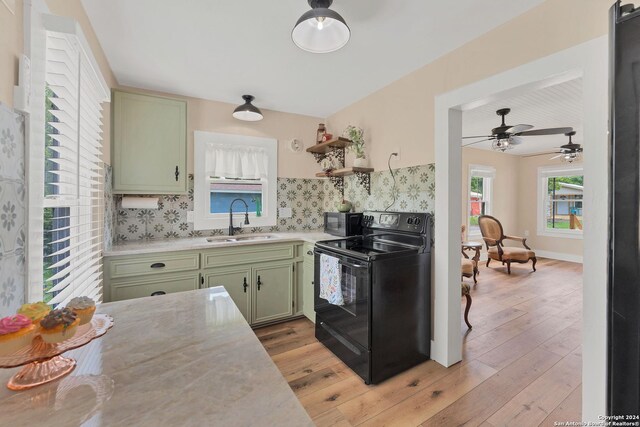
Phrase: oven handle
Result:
[347,264]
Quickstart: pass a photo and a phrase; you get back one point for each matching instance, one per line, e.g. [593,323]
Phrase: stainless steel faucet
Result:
[233,229]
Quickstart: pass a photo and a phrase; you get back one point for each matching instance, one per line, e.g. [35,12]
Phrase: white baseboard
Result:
[559,256]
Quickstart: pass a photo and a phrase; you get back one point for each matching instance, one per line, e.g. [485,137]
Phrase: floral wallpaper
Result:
[12,211]
[308,199]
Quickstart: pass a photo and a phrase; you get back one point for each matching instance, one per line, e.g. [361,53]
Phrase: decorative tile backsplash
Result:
[308,199]
[414,191]
[12,211]
[303,196]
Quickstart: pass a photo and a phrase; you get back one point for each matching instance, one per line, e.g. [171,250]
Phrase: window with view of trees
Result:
[561,201]
[480,188]
[66,179]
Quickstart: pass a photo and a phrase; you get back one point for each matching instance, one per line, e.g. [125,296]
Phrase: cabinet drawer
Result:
[152,264]
[246,255]
[146,287]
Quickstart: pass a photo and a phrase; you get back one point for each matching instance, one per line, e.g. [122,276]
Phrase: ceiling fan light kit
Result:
[321,30]
[248,112]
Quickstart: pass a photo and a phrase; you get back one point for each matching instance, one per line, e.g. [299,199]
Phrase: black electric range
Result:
[380,323]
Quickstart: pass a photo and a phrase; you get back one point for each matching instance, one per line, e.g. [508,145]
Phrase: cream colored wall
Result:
[402,114]
[504,199]
[216,117]
[527,209]
[515,197]
[11,42]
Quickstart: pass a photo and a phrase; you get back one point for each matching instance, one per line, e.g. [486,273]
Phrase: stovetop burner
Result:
[369,247]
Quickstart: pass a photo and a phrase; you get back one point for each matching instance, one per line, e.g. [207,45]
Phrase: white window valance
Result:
[233,161]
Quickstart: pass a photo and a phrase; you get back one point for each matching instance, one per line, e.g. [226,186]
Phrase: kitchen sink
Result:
[231,239]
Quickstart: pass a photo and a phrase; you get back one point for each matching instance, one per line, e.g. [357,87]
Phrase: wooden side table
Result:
[473,246]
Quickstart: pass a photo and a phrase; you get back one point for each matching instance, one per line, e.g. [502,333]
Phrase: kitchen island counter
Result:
[187,359]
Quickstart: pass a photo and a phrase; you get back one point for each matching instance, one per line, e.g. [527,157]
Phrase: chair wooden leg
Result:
[488,261]
[534,263]
[475,272]
[466,311]
[509,267]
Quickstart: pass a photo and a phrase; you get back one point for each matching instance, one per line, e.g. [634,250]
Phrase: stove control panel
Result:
[401,221]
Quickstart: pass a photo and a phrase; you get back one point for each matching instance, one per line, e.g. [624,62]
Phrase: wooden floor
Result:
[521,364]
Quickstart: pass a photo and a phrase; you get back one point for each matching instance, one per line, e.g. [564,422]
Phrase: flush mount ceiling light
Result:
[320,30]
[247,111]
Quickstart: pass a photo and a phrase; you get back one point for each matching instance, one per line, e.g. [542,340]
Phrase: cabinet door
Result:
[307,291]
[158,285]
[149,143]
[272,291]
[237,283]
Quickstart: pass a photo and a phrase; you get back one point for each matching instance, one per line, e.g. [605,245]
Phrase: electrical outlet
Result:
[189,216]
[284,212]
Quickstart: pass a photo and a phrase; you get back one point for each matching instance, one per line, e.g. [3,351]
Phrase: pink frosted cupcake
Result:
[16,331]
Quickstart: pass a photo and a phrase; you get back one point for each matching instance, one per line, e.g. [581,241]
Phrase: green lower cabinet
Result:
[272,291]
[237,283]
[308,291]
[153,285]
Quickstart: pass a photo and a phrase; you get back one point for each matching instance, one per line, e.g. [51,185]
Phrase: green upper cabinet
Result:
[149,144]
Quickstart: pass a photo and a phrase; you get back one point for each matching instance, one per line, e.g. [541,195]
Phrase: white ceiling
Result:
[222,49]
[554,106]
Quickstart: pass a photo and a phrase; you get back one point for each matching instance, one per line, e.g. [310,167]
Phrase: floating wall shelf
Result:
[336,148]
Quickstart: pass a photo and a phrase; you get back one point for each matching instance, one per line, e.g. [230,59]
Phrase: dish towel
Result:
[330,288]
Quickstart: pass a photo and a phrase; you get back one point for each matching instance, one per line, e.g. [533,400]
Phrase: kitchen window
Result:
[229,167]
[65,165]
[560,201]
[480,191]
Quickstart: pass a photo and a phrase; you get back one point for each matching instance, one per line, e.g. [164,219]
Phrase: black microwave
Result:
[343,224]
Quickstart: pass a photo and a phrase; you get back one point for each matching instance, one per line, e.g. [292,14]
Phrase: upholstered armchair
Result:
[469,265]
[493,236]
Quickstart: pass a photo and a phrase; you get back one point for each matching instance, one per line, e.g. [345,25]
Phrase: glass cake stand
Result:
[44,362]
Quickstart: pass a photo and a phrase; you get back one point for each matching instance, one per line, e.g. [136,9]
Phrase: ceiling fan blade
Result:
[541,154]
[542,132]
[479,136]
[518,128]
[477,142]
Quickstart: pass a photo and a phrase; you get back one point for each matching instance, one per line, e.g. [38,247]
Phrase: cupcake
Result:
[84,307]
[59,325]
[16,332]
[35,311]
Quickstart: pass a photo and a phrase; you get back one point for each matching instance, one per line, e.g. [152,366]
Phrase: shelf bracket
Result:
[338,153]
[338,182]
[364,178]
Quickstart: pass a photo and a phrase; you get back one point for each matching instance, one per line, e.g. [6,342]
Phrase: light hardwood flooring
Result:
[521,361]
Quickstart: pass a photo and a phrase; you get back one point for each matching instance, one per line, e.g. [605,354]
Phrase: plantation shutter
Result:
[73,172]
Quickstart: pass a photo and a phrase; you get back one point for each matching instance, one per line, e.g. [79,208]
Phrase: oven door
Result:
[350,319]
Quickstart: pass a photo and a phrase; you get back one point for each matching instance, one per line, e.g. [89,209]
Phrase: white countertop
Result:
[140,247]
[187,359]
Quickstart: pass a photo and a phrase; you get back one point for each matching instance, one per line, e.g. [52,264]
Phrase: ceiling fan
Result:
[569,152]
[506,136]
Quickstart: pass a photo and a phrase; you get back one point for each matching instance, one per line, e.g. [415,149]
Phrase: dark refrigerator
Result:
[624,230]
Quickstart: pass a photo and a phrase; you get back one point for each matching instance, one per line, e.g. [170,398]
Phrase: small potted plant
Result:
[355,134]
